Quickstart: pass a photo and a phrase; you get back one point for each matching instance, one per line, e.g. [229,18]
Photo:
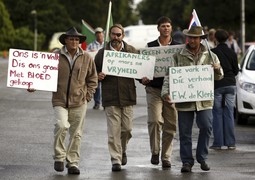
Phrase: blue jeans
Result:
[223,116]
[97,95]
[204,123]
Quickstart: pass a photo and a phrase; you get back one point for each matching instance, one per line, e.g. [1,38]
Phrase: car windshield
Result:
[251,61]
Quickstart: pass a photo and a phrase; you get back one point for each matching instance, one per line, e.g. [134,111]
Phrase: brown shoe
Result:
[155,159]
[166,164]
[124,159]
[73,170]
[59,166]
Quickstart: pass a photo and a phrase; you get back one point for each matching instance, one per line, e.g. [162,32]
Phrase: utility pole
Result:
[34,13]
[243,25]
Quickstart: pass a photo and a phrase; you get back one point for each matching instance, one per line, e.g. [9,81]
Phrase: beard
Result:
[115,43]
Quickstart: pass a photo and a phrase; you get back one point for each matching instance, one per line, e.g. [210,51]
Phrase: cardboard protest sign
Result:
[191,83]
[32,69]
[129,65]
[164,57]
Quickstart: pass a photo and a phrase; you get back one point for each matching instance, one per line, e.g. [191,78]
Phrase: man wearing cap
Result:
[77,81]
[194,54]
[118,98]
[97,44]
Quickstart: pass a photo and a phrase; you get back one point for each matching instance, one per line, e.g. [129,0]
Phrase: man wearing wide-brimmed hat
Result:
[194,54]
[77,81]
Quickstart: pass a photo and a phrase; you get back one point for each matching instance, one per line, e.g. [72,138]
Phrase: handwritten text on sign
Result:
[129,65]
[191,83]
[164,57]
[32,69]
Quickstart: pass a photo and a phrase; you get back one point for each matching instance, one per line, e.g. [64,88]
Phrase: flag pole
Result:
[108,23]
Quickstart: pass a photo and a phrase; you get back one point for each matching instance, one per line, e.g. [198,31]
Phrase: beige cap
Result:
[99,29]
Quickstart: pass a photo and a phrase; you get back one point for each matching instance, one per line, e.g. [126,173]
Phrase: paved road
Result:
[26,137]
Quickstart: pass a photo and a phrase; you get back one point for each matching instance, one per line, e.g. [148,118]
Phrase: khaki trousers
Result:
[162,118]
[119,127]
[71,119]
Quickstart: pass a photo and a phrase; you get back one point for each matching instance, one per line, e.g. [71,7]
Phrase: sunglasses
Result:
[116,34]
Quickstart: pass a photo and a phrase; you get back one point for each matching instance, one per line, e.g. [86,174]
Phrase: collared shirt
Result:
[169,43]
[94,46]
[69,57]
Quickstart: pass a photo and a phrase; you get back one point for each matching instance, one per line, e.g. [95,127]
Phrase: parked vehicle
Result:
[245,82]
[139,35]
[54,42]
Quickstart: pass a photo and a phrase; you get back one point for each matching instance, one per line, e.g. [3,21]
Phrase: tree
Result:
[6,28]
[95,12]
[214,14]
[52,16]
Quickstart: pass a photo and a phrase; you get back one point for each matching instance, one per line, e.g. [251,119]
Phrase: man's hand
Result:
[145,80]
[216,66]
[101,76]
[167,98]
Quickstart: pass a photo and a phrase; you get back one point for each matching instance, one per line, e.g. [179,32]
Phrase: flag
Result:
[195,22]
[89,32]
[109,23]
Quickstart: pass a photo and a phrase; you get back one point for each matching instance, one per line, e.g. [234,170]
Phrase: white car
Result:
[54,43]
[139,35]
[245,82]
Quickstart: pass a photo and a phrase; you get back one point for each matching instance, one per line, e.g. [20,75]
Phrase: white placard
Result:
[191,83]
[32,69]
[164,57]
[129,65]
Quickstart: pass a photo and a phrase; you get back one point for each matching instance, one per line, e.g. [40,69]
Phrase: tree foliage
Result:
[6,28]
[214,14]
[57,15]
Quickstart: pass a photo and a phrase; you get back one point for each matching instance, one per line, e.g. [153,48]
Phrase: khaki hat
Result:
[99,29]
[195,31]
[71,32]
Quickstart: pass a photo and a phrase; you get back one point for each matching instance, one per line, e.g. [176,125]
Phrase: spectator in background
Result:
[162,116]
[118,98]
[211,38]
[232,43]
[224,95]
[97,44]
[178,36]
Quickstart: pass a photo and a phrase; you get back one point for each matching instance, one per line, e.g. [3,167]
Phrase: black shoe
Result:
[59,166]
[186,167]
[124,159]
[204,166]
[166,164]
[73,170]
[155,159]
[96,106]
[116,167]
